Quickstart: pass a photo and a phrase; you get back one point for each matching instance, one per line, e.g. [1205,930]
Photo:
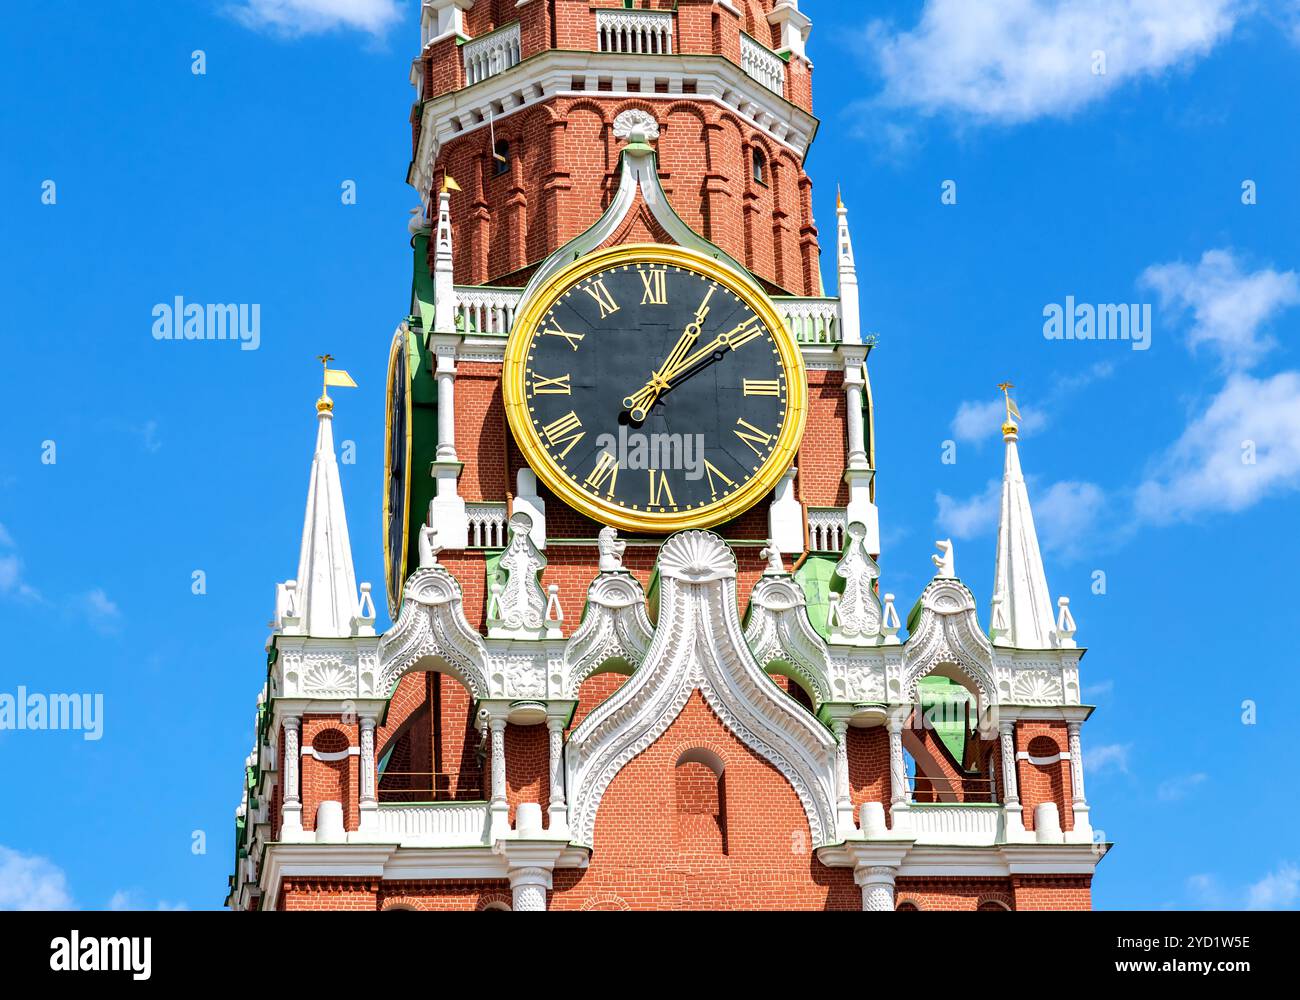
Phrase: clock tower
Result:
[640,654]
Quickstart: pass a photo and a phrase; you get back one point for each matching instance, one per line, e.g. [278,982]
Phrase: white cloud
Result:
[28,882]
[980,422]
[103,614]
[12,581]
[1017,60]
[1100,689]
[310,17]
[1107,757]
[1066,516]
[1243,448]
[1230,308]
[129,899]
[1176,789]
[972,517]
[1279,890]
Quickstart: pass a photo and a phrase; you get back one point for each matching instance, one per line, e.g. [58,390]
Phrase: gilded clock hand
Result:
[729,341]
[638,404]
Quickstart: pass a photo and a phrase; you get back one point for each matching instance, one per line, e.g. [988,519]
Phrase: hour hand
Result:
[638,404]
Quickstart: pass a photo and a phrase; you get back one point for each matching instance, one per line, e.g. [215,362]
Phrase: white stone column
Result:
[853,385]
[1082,831]
[291,811]
[559,812]
[447,509]
[500,805]
[1015,821]
[843,790]
[858,474]
[529,887]
[877,884]
[368,802]
[899,797]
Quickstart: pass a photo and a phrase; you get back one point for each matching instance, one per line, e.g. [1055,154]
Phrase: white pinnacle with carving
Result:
[326,594]
[1019,580]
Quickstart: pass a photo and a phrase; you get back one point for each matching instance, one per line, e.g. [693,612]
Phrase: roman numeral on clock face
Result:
[656,287]
[762,387]
[552,386]
[747,331]
[712,470]
[661,495]
[753,437]
[566,431]
[600,293]
[574,339]
[606,471]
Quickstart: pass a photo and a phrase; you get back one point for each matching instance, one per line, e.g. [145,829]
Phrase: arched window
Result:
[701,795]
[760,166]
[501,158]
[906,906]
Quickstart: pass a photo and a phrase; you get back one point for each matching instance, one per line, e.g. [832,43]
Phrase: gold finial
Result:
[839,197]
[1013,412]
[449,184]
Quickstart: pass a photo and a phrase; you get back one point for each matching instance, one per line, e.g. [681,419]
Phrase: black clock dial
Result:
[655,389]
[397,460]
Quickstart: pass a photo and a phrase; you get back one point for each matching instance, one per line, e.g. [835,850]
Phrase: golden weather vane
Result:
[1013,411]
[333,376]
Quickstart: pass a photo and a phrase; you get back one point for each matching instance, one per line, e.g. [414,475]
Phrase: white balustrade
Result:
[762,64]
[826,527]
[486,310]
[639,31]
[487,525]
[491,54]
[438,824]
[811,321]
[959,825]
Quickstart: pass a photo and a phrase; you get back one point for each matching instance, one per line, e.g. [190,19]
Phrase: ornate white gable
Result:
[615,627]
[432,624]
[698,645]
[779,629]
[947,631]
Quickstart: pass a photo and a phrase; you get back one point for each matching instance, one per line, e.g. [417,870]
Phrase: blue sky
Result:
[172,458]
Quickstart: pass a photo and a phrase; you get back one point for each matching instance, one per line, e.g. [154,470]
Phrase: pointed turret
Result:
[851,326]
[1022,607]
[325,599]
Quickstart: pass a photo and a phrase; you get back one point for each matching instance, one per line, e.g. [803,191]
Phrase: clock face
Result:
[397,468]
[654,390]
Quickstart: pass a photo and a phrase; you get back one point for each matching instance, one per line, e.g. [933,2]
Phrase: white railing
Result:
[438,824]
[487,310]
[961,825]
[644,31]
[826,526]
[487,525]
[762,64]
[492,54]
[811,321]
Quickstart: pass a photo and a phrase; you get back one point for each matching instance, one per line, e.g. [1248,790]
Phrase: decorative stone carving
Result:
[944,562]
[1036,687]
[1065,626]
[779,629]
[324,677]
[429,547]
[432,624]
[611,551]
[699,646]
[615,627]
[855,617]
[947,631]
[519,610]
[636,125]
[890,624]
[775,567]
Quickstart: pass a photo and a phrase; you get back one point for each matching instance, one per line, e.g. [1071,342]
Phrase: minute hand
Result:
[728,341]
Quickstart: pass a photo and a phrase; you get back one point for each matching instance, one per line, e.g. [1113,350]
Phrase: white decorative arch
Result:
[432,624]
[698,645]
[615,626]
[947,631]
[779,629]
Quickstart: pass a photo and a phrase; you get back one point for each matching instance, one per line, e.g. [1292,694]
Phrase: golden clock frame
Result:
[400,349]
[514,391]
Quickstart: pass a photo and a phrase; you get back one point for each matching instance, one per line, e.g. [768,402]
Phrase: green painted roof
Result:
[947,699]
[817,578]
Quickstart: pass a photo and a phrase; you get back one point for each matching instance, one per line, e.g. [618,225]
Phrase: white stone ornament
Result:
[615,628]
[779,630]
[611,551]
[948,633]
[519,605]
[855,617]
[636,125]
[429,547]
[775,567]
[945,561]
[1065,626]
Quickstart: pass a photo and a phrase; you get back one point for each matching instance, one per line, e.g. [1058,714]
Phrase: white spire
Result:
[851,324]
[1022,608]
[326,599]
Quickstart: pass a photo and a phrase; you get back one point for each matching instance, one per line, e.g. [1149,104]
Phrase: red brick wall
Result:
[953,893]
[1045,892]
[769,864]
[329,781]
[1047,783]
